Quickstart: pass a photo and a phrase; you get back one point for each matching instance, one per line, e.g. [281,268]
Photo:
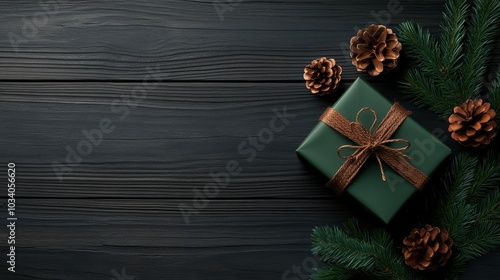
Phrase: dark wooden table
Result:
[169,92]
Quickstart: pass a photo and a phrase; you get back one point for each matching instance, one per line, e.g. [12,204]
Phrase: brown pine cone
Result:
[427,248]
[472,123]
[375,49]
[322,76]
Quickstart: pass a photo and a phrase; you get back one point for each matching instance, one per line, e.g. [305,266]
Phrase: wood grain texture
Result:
[256,228]
[221,81]
[256,41]
[86,239]
[170,142]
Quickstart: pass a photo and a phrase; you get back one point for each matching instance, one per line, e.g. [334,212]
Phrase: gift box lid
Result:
[384,199]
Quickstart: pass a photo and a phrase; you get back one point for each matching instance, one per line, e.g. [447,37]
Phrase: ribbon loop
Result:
[370,142]
[375,118]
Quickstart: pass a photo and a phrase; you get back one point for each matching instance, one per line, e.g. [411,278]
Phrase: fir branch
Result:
[371,253]
[334,246]
[389,258]
[335,272]
[426,94]
[486,179]
[483,30]
[422,47]
[451,71]
[430,85]
[458,221]
[470,207]
[457,182]
[494,93]
[488,209]
[484,237]
[453,32]
[446,56]
[352,228]
[468,202]
[456,266]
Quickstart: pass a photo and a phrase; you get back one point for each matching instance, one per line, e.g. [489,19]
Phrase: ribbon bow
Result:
[370,142]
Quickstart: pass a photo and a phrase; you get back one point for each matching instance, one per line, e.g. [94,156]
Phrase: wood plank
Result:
[119,40]
[256,228]
[170,142]
[88,238]
[231,239]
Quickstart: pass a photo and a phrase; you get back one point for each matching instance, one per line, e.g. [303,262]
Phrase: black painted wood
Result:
[257,40]
[220,82]
[168,144]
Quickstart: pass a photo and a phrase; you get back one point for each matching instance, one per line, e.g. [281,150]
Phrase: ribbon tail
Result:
[381,167]
[348,171]
[409,172]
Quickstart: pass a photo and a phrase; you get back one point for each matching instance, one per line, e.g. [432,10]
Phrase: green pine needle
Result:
[352,228]
[458,181]
[426,94]
[334,246]
[483,238]
[488,209]
[467,201]
[354,251]
[494,94]
[336,272]
[454,16]
[424,47]
[451,71]
[483,29]
[469,208]
[487,178]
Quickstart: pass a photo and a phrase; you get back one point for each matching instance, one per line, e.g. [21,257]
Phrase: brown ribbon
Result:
[370,142]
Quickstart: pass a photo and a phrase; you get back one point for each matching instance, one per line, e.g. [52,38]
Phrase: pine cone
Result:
[322,76]
[472,123]
[375,49]
[427,248]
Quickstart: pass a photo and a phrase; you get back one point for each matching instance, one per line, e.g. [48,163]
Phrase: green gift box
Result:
[383,199]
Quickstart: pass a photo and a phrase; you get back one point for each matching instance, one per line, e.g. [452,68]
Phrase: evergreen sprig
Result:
[494,93]
[453,70]
[351,251]
[468,206]
[467,200]
[336,272]
[482,32]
